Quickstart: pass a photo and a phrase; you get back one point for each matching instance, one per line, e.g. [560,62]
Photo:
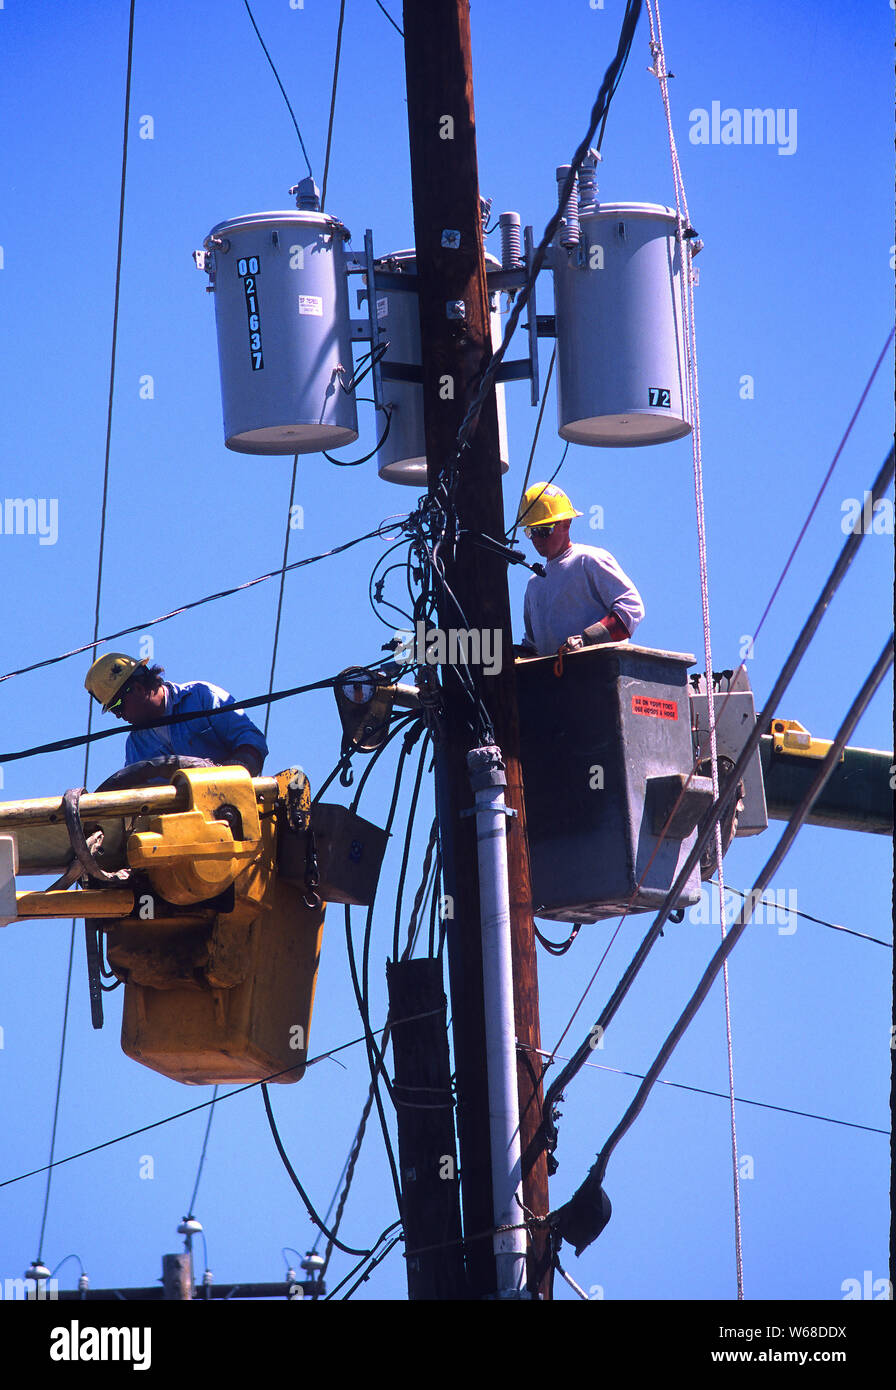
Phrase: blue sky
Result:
[795,289]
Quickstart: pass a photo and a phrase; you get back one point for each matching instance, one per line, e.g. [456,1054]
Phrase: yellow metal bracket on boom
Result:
[218,951]
[788,736]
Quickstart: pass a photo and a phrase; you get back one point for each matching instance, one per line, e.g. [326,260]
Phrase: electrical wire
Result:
[390,19]
[427,885]
[292,493]
[211,1113]
[598,113]
[364,1277]
[727,795]
[835,926]
[511,538]
[209,598]
[353,463]
[412,814]
[280,85]
[323,195]
[203,1105]
[375,1055]
[331,1236]
[99,585]
[721,1095]
[349,1172]
[256,700]
[739,926]
[524,514]
[558,948]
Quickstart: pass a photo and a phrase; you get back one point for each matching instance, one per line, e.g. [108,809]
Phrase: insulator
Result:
[569,235]
[511,249]
[37,1271]
[588,183]
[83,1283]
[307,195]
[189,1227]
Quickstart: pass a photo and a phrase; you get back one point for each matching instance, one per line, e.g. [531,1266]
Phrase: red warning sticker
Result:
[659,709]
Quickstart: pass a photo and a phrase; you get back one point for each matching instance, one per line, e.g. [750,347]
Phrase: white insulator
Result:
[588,183]
[511,247]
[568,234]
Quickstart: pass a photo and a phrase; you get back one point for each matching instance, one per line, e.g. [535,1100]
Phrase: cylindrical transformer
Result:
[620,336]
[282,312]
[402,457]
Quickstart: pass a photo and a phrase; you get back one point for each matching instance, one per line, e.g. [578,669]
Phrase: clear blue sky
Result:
[795,291]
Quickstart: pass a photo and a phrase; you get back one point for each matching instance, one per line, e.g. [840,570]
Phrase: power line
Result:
[80,740]
[881,485]
[835,926]
[292,493]
[598,113]
[390,19]
[280,85]
[810,627]
[99,584]
[331,1235]
[384,526]
[203,1105]
[856,709]
[211,1112]
[544,400]
[323,195]
[724,1095]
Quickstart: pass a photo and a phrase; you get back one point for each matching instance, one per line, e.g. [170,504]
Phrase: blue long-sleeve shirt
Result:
[217,738]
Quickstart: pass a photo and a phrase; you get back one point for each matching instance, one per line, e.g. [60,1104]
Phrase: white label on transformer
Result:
[311,304]
[382,308]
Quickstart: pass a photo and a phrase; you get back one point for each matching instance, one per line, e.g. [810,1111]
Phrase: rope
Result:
[99,583]
[686,285]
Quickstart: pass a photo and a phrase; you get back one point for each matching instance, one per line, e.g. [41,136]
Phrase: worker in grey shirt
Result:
[585,596]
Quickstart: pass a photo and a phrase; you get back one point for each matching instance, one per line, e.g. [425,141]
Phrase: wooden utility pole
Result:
[430,1210]
[456,344]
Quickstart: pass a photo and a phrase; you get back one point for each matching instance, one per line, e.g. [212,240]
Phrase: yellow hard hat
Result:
[543,504]
[108,674]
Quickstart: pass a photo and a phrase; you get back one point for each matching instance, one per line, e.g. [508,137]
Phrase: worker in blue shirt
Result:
[136,693]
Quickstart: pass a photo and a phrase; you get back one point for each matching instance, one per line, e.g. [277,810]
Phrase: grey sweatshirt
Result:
[580,587]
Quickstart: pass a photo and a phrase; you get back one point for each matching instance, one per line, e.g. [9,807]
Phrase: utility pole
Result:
[456,344]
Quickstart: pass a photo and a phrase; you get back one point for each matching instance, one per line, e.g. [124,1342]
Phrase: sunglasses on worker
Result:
[124,692]
[548,530]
